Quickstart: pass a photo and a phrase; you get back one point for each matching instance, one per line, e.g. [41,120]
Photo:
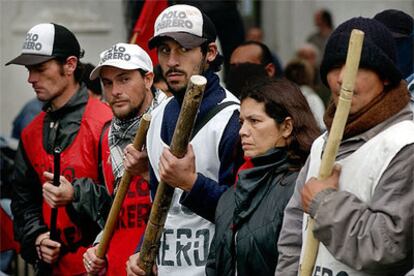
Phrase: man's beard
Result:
[177,92]
[131,114]
[180,92]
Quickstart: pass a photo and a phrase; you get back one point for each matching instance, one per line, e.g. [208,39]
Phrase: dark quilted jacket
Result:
[249,218]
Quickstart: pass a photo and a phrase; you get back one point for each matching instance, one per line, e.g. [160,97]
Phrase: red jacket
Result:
[79,159]
[132,218]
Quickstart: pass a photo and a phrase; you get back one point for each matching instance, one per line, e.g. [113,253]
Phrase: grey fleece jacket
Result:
[340,215]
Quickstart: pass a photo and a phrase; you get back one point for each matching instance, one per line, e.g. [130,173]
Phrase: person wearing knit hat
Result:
[363,210]
[378,51]
[401,26]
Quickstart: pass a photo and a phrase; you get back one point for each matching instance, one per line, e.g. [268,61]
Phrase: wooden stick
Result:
[133,38]
[334,139]
[123,187]
[163,197]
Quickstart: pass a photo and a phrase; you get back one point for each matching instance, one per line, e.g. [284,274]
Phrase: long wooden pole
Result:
[110,223]
[123,187]
[334,139]
[164,194]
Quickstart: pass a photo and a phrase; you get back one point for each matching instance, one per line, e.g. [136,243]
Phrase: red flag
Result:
[144,27]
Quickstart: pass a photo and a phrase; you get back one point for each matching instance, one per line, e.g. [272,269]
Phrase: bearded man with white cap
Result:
[126,73]
[185,42]
[71,122]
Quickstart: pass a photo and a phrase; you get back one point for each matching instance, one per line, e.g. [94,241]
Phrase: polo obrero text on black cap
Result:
[185,24]
[46,41]
[124,56]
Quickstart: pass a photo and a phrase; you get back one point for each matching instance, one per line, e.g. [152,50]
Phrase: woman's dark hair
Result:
[282,99]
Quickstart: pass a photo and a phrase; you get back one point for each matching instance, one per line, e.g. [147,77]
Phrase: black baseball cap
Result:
[47,41]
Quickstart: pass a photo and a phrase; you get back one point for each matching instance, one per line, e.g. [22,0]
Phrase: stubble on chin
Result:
[177,91]
[180,89]
[127,114]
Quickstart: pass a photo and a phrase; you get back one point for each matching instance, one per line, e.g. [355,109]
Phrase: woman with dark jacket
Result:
[277,130]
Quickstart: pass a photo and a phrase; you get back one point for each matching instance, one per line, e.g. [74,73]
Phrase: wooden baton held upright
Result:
[163,196]
[334,139]
[123,187]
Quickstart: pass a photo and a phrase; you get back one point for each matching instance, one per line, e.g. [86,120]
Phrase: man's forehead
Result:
[41,65]
[247,53]
[113,70]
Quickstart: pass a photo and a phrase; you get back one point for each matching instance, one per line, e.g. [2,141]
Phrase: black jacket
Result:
[249,218]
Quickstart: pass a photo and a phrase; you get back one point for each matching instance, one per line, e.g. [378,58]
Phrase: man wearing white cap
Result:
[185,41]
[71,122]
[127,76]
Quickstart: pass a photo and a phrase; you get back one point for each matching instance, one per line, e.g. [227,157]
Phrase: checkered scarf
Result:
[122,133]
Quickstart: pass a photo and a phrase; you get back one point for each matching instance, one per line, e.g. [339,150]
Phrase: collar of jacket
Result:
[381,108]
[78,99]
[213,94]
[210,92]
[254,183]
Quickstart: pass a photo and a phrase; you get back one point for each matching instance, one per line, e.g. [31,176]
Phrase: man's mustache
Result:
[174,70]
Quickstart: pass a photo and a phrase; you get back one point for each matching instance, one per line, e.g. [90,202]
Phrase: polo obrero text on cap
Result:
[182,20]
[124,56]
[46,41]
[116,52]
[186,24]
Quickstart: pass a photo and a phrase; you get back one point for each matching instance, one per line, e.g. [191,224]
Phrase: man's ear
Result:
[70,65]
[212,51]
[148,79]
[270,70]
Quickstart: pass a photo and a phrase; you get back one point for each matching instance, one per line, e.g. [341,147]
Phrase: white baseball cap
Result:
[124,56]
[185,24]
